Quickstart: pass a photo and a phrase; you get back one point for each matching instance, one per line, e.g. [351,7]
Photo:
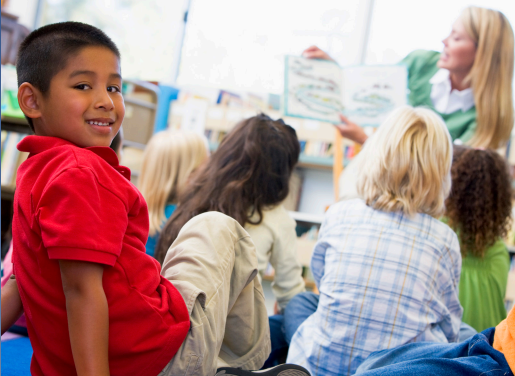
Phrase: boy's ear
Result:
[29,100]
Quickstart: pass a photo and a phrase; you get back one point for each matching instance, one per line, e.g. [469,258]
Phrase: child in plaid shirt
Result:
[387,269]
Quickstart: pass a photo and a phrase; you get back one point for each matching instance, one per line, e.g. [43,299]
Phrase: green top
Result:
[421,68]
[483,287]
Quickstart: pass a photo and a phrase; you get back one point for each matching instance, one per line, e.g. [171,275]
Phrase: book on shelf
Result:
[11,157]
[320,90]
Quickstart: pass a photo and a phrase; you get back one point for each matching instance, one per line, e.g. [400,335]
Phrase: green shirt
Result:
[483,284]
[421,68]
[483,287]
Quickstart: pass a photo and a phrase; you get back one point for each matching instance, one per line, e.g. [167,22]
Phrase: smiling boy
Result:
[95,302]
[79,225]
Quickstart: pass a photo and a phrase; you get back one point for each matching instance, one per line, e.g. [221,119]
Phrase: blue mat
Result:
[16,354]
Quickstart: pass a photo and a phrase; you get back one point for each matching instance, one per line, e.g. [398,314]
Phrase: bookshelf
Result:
[316,137]
[13,131]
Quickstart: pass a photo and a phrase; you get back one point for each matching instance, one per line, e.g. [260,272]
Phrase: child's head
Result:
[169,159]
[479,205]
[70,83]
[249,172]
[406,163]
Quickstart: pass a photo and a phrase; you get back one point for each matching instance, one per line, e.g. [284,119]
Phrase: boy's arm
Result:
[11,304]
[88,318]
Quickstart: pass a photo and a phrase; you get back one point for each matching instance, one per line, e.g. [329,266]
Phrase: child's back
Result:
[386,268]
[385,279]
[77,204]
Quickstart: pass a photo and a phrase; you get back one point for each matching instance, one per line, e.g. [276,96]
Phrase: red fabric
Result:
[77,204]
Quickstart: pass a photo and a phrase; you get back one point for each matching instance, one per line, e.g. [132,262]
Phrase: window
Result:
[401,26]
[240,45]
[146,32]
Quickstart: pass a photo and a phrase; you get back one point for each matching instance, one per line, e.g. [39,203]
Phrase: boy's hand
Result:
[88,318]
[11,304]
[314,52]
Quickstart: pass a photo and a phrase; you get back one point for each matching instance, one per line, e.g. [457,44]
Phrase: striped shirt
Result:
[385,280]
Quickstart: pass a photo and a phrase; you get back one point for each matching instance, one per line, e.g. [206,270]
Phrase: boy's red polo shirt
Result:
[78,204]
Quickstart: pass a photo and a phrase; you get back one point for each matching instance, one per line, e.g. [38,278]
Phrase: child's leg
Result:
[466,331]
[475,356]
[213,264]
[279,344]
[299,308]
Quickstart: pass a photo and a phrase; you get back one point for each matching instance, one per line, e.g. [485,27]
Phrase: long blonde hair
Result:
[169,158]
[406,164]
[491,75]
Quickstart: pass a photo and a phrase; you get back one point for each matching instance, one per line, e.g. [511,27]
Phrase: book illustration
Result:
[372,92]
[320,90]
[372,101]
[312,89]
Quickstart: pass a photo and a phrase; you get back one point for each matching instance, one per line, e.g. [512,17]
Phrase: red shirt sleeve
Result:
[81,219]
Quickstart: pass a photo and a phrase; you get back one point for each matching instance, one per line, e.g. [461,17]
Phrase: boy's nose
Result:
[104,101]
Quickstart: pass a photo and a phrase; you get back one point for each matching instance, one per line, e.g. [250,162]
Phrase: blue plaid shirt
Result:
[385,280]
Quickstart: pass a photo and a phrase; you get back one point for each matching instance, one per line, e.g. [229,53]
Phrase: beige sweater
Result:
[276,243]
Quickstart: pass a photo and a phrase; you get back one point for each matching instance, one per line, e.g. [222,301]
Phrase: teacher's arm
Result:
[351,130]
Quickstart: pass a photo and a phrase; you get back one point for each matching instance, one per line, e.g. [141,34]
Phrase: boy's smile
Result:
[84,104]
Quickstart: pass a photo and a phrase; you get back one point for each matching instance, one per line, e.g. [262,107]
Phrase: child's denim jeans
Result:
[475,356]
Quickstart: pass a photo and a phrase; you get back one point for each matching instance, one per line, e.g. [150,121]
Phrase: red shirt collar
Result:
[38,144]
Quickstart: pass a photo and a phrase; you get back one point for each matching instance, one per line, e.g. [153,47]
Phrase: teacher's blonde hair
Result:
[406,163]
[169,158]
[491,75]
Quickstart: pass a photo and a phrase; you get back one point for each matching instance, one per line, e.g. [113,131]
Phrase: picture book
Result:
[320,89]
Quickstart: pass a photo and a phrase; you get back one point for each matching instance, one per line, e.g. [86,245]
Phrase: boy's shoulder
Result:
[60,155]
[54,160]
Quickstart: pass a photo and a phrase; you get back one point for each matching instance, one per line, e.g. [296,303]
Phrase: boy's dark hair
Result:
[116,144]
[46,51]
[479,206]
[249,172]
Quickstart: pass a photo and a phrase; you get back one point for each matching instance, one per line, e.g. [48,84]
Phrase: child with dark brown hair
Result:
[478,209]
[247,178]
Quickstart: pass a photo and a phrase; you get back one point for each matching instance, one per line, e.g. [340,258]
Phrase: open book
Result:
[320,89]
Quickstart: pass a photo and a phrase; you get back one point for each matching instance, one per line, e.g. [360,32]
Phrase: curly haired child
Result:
[479,210]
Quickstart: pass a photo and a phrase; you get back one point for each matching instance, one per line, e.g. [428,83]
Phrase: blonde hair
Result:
[406,163]
[169,158]
[491,75]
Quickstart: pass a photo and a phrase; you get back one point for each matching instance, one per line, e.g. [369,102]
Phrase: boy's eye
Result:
[113,89]
[82,87]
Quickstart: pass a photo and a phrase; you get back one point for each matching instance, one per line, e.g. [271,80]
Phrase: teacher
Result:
[469,84]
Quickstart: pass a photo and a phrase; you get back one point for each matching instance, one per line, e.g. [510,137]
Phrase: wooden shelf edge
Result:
[140,102]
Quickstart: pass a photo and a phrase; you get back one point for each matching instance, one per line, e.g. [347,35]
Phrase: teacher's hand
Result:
[314,52]
[351,130]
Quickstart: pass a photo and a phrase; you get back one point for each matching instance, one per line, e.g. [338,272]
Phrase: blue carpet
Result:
[16,354]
